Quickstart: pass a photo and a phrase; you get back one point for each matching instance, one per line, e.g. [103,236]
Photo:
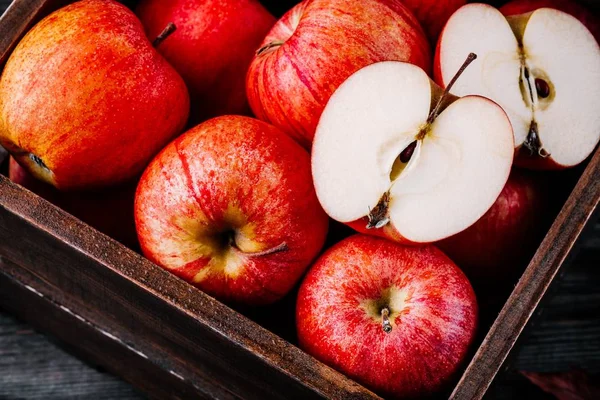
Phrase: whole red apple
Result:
[517,7]
[230,207]
[110,211]
[494,251]
[314,47]
[397,319]
[86,101]
[433,14]
[212,47]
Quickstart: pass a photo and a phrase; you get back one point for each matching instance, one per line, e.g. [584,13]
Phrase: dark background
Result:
[565,336]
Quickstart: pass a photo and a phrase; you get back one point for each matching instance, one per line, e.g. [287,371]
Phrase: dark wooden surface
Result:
[33,366]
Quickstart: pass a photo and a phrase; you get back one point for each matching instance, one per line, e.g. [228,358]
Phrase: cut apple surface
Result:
[542,67]
[389,162]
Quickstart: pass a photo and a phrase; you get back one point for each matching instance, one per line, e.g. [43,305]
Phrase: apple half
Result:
[395,156]
[542,67]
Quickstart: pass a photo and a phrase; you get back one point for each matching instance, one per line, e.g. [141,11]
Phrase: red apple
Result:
[395,156]
[397,319]
[497,247]
[212,47]
[584,15]
[86,101]
[230,207]
[110,211]
[433,14]
[316,46]
[542,67]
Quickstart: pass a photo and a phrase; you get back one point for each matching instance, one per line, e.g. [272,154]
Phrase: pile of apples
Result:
[348,126]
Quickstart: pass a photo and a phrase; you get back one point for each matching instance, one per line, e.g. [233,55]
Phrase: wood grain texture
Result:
[173,323]
[33,367]
[556,247]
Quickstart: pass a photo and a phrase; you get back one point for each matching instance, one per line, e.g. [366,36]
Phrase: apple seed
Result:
[542,88]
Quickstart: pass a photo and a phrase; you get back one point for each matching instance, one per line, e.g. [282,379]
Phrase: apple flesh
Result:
[86,101]
[494,251]
[230,207]
[397,319]
[585,16]
[316,46]
[212,47]
[542,67]
[393,156]
[110,211]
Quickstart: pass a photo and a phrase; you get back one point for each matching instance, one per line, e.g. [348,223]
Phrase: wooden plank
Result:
[35,368]
[15,21]
[550,256]
[176,325]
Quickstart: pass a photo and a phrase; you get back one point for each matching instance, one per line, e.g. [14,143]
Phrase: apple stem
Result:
[269,46]
[434,113]
[169,29]
[385,320]
[282,247]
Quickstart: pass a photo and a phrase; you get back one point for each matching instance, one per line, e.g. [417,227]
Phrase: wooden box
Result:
[173,341]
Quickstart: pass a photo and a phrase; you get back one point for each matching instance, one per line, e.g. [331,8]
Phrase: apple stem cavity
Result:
[386,325]
[268,47]
[169,29]
[436,110]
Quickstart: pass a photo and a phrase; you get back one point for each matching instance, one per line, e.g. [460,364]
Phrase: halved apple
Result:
[395,156]
[542,67]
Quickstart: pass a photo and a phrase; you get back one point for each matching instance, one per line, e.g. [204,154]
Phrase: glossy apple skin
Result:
[496,249]
[212,47]
[86,93]
[110,211]
[432,329]
[433,14]
[387,232]
[239,175]
[326,41]
[571,7]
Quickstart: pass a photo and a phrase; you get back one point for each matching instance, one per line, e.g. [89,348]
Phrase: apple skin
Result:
[433,14]
[218,196]
[212,48]
[326,41]
[433,312]
[578,11]
[87,96]
[494,251]
[109,211]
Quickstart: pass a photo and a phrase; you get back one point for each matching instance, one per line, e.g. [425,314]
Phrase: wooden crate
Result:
[173,341]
